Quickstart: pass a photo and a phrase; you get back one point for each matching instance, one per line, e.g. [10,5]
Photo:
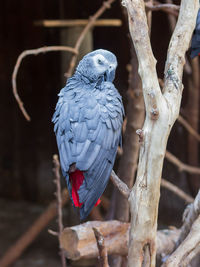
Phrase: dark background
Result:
[27,147]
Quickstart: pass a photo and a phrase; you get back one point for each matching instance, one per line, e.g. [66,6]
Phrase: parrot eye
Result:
[100,62]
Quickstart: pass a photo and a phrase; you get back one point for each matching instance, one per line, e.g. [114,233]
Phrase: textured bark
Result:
[188,249]
[79,241]
[162,110]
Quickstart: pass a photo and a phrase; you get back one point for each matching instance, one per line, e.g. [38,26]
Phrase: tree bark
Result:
[162,110]
[79,241]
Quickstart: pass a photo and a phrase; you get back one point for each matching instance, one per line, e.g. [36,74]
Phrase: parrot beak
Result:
[109,74]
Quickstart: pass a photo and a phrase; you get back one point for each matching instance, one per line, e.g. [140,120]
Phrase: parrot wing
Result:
[88,130]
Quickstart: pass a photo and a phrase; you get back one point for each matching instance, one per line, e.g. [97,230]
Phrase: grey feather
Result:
[88,120]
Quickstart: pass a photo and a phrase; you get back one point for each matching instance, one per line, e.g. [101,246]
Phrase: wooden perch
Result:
[78,22]
[79,241]
[162,109]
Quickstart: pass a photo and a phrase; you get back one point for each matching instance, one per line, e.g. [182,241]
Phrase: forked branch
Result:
[161,112]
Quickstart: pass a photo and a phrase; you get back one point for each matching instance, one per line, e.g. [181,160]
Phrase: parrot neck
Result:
[78,75]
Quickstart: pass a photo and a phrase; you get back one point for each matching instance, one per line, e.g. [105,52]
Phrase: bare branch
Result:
[179,43]
[188,127]
[18,63]
[169,8]
[90,24]
[122,187]
[161,112]
[78,22]
[79,241]
[56,171]
[15,251]
[181,166]
[189,248]
[188,243]
[190,215]
[101,247]
[176,190]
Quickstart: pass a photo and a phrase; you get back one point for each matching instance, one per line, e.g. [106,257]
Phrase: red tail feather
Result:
[76,178]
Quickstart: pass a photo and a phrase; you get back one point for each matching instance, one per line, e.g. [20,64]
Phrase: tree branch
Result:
[18,63]
[188,249]
[15,251]
[176,190]
[79,241]
[181,166]
[190,215]
[56,48]
[169,8]
[179,43]
[101,247]
[122,187]
[189,128]
[56,171]
[90,24]
[161,113]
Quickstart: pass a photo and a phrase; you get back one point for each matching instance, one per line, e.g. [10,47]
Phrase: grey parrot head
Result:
[98,65]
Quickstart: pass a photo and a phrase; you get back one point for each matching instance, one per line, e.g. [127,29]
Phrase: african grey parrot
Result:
[88,121]
[195,46]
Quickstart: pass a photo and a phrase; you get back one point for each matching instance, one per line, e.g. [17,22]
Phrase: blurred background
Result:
[26,178]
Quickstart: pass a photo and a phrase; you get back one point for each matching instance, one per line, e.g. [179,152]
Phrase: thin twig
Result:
[181,166]
[176,190]
[18,247]
[103,254]
[90,24]
[188,127]
[169,8]
[172,19]
[18,63]
[189,216]
[56,171]
[122,187]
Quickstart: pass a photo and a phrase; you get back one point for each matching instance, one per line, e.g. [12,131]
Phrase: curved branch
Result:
[90,24]
[181,166]
[122,187]
[176,190]
[188,127]
[18,63]
[170,8]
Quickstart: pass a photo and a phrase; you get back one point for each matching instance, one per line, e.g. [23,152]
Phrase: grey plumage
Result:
[195,45]
[88,120]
